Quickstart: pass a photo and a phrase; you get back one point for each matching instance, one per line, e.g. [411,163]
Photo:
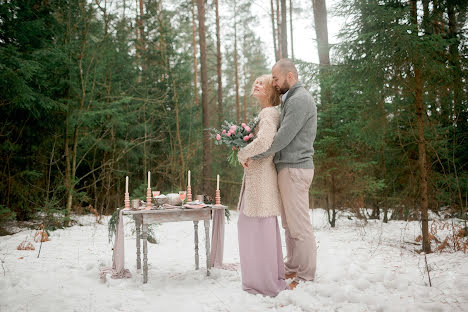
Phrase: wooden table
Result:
[145,217]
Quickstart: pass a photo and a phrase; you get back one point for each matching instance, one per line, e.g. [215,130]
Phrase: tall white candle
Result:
[149,179]
[126,184]
[188,178]
[217,183]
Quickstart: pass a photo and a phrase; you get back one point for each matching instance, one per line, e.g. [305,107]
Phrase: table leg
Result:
[138,237]
[145,253]
[195,228]
[207,244]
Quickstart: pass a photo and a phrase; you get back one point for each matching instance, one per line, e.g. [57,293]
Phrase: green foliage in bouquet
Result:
[234,136]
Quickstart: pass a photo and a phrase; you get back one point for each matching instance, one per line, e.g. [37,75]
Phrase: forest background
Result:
[93,91]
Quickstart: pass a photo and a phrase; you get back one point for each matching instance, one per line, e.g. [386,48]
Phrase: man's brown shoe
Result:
[293,285]
[290,275]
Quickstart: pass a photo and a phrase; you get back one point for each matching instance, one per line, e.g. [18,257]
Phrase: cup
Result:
[199,198]
[182,195]
[135,204]
[156,193]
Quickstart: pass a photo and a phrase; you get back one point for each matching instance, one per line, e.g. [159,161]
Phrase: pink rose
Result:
[247,128]
[218,137]
[224,132]
[229,133]
[250,135]
[233,128]
[246,138]
[243,125]
[233,148]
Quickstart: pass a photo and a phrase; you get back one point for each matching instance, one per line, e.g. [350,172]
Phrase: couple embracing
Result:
[278,171]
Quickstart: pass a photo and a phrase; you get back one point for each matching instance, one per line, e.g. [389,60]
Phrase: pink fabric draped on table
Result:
[217,238]
[118,259]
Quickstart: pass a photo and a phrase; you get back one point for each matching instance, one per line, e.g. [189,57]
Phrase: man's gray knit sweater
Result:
[293,144]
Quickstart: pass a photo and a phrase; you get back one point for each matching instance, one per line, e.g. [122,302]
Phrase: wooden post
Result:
[195,227]
[145,253]
[138,237]
[207,245]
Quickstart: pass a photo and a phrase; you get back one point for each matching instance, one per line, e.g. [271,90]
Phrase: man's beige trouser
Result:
[301,249]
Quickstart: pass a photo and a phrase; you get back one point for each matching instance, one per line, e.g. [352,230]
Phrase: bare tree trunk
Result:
[141,27]
[195,65]
[205,106]
[218,68]
[284,31]
[273,30]
[245,98]
[278,30]
[291,28]
[175,98]
[71,157]
[382,153]
[236,65]
[457,84]
[420,113]
[321,30]
[426,24]
[331,200]
[68,180]
[140,46]
[179,141]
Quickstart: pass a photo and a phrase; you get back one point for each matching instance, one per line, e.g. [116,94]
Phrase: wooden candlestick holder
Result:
[218,197]
[127,201]
[148,198]
[189,194]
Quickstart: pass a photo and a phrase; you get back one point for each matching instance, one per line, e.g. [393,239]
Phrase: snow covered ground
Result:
[360,268]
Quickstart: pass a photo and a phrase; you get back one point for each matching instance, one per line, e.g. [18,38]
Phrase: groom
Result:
[293,149]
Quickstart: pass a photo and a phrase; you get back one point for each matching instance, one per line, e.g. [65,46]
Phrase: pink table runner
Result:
[217,237]
[118,258]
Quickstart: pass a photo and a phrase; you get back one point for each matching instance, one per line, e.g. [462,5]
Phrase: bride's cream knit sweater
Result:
[260,184]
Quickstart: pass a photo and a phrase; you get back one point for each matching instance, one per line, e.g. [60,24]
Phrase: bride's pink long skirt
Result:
[261,257]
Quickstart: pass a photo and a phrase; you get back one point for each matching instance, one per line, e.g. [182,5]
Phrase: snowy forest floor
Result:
[360,267]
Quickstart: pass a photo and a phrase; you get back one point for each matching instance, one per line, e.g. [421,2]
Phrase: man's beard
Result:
[284,88]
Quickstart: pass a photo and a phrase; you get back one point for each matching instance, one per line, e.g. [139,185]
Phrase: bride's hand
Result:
[247,163]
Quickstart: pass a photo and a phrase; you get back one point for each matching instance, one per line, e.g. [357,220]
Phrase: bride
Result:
[261,257]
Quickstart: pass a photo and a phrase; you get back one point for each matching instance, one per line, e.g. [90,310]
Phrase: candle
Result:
[149,178]
[217,183]
[126,184]
[188,178]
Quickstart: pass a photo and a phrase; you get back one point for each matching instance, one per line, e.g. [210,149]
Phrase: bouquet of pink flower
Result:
[234,136]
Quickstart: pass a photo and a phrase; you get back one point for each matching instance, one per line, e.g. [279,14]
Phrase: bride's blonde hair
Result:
[273,95]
